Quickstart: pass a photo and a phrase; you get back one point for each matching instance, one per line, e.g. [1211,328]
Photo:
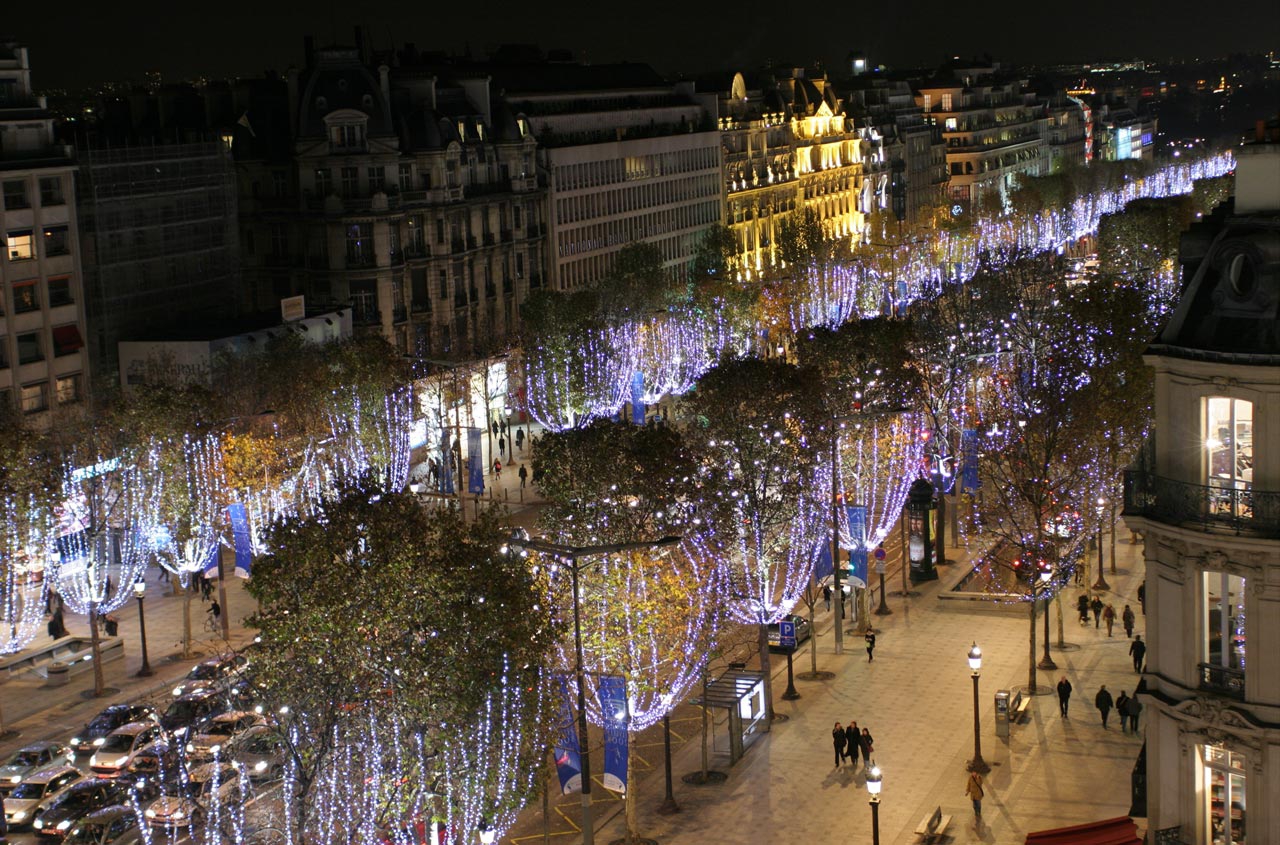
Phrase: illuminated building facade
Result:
[1122,134]
[43,363]
[788,146]
[1206,501]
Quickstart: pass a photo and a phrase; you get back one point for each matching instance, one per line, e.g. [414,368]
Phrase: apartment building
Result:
[44,367]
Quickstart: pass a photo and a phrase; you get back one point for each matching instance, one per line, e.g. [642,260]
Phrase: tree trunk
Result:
[763,642]
[813,642]
[940,541]
[1031,672]
[633,815]
[186,618]
[1062,636]
[99,683]
[1113,535]
[706,750]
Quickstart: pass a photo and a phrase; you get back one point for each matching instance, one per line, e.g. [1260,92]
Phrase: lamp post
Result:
[873,786]
[571,554]
[139,593]
[883,609]
[1046,662]
[1101,583]
[977,764]
[920,544]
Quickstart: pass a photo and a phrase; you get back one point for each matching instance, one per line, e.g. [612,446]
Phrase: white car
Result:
[186,803]
[31,759]
[221,735]
[116,752]
[30,796]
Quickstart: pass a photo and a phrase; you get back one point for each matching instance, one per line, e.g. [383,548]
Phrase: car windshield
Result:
[74,798]
[182,710]
[85,834]
[203,672]
[117,742]
[25,758]
[221,729]
[28,791]
[261,745]
[104,724]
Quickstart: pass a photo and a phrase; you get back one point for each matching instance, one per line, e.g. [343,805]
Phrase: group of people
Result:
[850,743]
[1129,707]
[1104,613]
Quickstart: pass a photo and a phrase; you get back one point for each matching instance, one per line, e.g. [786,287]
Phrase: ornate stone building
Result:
[1207,501]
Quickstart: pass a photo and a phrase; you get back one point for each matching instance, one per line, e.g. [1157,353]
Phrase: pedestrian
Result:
[1122,710]
[111,624]
[1096,607]
[1109,616]
[973,789]
[494,427]
[1082,605]
[1142,597]
[1135,707]
[1064,695]
[871,645]
[826,595]
[502,426]
[838,740]
[215,609]
[497,468]
[502,445]
[58,624]
[867,748]
[1104,702]
[206,587]
[524,474]
[1128,619]
[1139,650]
[852,743]
[520,439]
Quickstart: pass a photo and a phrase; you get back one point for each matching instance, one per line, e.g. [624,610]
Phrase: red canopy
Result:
[1118,831]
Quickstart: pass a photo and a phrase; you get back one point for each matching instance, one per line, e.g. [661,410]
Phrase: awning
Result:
[66,339]
[1117,831]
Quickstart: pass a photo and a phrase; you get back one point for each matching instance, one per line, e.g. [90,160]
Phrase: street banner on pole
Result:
[822,565]
[568,761]
[613,706]
[241,538]
[475,461]
[856,515]
[446,464]
[637,398]
[210,568]
[901,309]
[969,482]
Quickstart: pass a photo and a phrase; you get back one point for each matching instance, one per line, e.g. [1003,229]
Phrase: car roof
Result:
[39,746]
[107,814]
[133,728]
[232,715]
[46,775]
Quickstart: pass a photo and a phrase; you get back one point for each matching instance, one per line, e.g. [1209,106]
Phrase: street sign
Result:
[786,634]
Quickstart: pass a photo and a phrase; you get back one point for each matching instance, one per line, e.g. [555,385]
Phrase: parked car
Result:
[110,826]
[114,754]
[221,734]
[214,673]
[36,792]
[191,711]
[803,632]
[77,801]
[95,733]
[262,753]
[30,759]
[183,804]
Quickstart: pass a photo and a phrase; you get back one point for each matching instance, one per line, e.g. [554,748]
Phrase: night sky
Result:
[85,42]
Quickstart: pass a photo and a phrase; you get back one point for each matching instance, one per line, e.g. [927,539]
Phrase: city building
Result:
[1069,134]
[1206,499]
[1120,133]
[787,146]
[44,367]
[993,127]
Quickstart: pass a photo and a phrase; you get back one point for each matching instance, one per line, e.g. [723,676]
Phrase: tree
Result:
[636,285]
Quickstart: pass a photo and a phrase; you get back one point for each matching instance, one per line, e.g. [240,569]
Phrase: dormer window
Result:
[367,101]
[346,138]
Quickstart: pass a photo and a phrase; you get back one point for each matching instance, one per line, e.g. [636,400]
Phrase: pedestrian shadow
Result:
[843,777]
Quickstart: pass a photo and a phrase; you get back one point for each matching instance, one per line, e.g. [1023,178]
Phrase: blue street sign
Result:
[787,634]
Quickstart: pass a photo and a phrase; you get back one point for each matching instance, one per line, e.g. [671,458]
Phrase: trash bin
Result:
[1002,712]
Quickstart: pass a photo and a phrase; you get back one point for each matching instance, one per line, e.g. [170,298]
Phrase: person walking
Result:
[497,468]
[974,792]
[867,748]
[1138,649]
[520,439]
[852,743]
[1064,695]
[871,645]
[1109,616]
[1135,707]
[494,428]
[215,610]
[502,445]
[1096,607]
[1104,702]
[1128,619]
[826,595]
[1082,605]
[838,740]
[1122,710]
[1142,597]
[524,475]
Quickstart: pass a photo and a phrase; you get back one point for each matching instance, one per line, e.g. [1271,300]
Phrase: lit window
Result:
[1228,451]
[21,246]
[35,397]
[25,297]
[347,137]
[1223,633]
[68,389]
[1224,775]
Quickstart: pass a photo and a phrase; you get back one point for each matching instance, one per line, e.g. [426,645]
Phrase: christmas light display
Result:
[192,485]
[879,458]
[28,565]
[372,439]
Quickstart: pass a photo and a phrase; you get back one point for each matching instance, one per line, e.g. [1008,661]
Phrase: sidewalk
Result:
[916,699]
[39,712]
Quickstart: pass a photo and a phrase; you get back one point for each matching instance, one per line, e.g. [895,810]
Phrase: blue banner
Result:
[475,461]
[613,707]
[969,481]
[210,568]
[241,538]
[822,565]
[857,518]
[637,398]
[902,299]
[446,463]
[568,760]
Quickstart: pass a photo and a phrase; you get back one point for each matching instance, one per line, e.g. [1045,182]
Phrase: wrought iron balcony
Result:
[1233,507]
[1222,680]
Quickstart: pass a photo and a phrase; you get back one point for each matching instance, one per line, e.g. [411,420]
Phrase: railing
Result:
[1227,506]
[480,189]
[1222,680]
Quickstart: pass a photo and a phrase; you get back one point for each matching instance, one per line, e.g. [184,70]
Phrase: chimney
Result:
[384,81]
[308,49]
[360,43]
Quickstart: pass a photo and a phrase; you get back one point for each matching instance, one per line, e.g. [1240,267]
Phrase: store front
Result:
[1223,783]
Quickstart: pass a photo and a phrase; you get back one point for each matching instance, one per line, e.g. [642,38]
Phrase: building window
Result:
[324,182]
[350,181]
[66,340]
[347,138]
[68,389]
[360,245]
[56,241]
[364,302]
[376,179]
[1223,633]
[15,194]
[4,353]
[25,297]
[279,240]
[946,102]
[279,185]
[35,397]
[60,291]
[21,246]
[417,238]
[406,178]
[444,285]
[1228,443]
[51,191]
[29,348]
[1224,795]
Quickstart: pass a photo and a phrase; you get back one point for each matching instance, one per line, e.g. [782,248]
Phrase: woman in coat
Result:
[837,740]
[851,743]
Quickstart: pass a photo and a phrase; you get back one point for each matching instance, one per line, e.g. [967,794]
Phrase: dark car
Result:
[88,738]
[214,673]
[78,801]
[153,766]
[191,711]
[802,633]
[112,826]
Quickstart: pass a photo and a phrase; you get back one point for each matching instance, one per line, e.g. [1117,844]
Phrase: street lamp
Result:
[1046,575]
[873,786]
[977,764]
[920,542]
[487,834]
[571,554]
[139,593]
[1101,583]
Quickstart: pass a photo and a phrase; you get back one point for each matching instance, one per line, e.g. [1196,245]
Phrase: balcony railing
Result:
[1222,680]
[1218,507]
